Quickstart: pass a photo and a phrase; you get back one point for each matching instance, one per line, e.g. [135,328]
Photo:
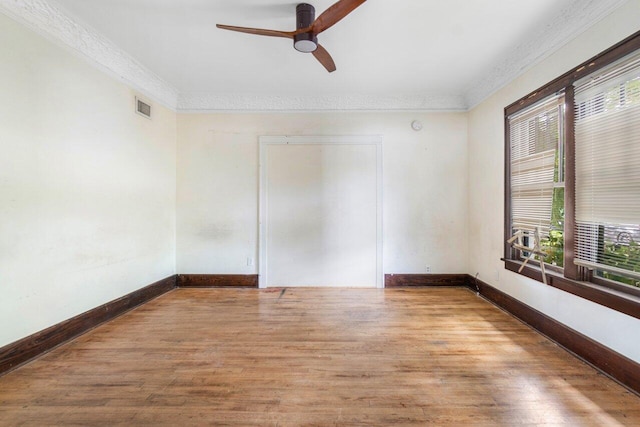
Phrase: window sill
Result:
[615,300]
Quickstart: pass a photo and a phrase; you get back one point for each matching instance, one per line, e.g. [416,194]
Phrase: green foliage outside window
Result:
[625,256]
[554,244]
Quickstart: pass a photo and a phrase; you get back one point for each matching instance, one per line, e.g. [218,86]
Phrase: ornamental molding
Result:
[572,21]
[203,102]
[48,20]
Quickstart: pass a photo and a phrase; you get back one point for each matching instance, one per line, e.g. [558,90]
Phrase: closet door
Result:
[320,214]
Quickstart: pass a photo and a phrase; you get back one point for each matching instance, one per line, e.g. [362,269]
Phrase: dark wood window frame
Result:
[575,280]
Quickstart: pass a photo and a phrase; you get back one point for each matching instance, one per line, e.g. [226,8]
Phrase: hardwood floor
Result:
[438,356]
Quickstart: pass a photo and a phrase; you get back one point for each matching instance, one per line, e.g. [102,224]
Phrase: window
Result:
[537,176]
[573,175]
[607,160]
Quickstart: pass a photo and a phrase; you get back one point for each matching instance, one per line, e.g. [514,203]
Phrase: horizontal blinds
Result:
[608,247]
[534,137]
[607,162]
[532,191]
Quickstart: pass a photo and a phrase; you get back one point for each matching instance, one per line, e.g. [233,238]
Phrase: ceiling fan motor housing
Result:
[305,15]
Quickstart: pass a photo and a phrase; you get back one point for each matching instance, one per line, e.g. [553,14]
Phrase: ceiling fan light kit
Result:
[305,42]
[305,37]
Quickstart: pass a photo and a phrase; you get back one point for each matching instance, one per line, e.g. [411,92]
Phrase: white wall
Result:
[425,186]
[486,189]
[87,187]
[321,211]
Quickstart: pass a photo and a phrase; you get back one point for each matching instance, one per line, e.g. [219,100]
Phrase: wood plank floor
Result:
[436,356]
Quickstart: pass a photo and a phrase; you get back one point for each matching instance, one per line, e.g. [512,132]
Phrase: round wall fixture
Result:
[416,125]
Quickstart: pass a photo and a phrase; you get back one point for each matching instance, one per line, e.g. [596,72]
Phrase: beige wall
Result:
[87,187]
[486,189]
[425,186]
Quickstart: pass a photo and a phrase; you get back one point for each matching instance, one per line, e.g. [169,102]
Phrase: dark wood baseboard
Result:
[604,359]
[217,281]
[419,280]
[28,348]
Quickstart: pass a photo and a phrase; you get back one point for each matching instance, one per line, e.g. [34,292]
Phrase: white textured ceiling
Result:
[390,54]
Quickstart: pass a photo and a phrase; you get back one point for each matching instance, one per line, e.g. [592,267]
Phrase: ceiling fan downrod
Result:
[305,42]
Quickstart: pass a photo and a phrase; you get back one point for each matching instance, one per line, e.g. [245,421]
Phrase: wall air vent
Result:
[143,108]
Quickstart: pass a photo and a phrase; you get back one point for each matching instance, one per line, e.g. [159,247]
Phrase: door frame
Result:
[265,142]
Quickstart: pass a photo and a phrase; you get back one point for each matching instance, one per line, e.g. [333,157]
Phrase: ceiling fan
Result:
[305,37]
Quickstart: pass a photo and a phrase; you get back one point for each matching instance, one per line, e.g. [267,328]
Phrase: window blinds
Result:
[534,134]
[607,161]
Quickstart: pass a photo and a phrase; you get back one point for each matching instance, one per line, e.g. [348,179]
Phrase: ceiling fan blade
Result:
[335,13]
[325,59]
[258,31]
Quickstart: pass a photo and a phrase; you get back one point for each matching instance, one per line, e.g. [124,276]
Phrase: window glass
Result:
[537,176]
[607,140]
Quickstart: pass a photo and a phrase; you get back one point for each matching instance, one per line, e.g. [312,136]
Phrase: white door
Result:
[320,212]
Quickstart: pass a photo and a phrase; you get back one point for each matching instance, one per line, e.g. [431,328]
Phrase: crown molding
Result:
[47,18]
[215,102]
[573,20]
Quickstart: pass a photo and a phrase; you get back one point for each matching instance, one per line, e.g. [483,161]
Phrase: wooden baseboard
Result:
[217,281]
[28,348]
[604,359]
[423,280]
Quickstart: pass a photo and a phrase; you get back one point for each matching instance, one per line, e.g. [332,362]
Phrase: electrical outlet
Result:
[427,269]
